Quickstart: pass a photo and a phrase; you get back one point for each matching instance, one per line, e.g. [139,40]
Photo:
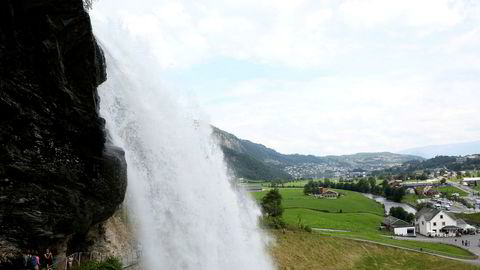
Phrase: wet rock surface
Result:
[57,175]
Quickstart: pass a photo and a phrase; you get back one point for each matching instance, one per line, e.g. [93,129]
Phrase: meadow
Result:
[449,190]
[349,202]
[299,250]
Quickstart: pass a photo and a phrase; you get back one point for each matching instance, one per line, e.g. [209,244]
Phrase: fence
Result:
[131,258]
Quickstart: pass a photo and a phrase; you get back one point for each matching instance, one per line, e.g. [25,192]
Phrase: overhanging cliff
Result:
[57,175]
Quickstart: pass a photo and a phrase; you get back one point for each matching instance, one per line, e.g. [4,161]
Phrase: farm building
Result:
[471,180]
[398,226]
[330,194]
[327,193]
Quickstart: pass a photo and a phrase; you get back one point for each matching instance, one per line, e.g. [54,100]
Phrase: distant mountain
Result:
[458,149]
[256,161]
[453,163]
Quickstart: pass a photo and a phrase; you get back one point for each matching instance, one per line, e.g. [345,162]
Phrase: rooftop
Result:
[429,213]
[395,222]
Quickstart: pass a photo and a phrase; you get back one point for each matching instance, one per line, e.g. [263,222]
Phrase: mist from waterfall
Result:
[187,214]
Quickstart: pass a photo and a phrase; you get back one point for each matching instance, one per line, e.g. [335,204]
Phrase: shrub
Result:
[110,263]
[272,222]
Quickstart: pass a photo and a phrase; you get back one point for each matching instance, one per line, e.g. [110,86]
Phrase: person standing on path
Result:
[49,259]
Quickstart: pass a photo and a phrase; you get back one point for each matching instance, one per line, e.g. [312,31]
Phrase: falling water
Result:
[187,214]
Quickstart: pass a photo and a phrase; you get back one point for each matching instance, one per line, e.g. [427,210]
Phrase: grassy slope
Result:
[352,202]
[295,250]
[449,190]
[473,219]
[360,215]
[300,183]
[411,198]
[442,249]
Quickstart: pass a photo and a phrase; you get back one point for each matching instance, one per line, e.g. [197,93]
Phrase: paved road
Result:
[471,197]
[467,189]
[477,261]
[474,241]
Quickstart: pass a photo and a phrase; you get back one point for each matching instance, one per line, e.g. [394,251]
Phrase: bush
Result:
[110,263]
[269,222]
[302,226]
[400,213]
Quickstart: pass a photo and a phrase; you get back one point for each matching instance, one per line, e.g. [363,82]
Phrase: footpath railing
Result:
[130,259]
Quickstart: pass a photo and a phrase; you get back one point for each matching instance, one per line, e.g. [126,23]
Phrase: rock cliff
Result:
[58,176]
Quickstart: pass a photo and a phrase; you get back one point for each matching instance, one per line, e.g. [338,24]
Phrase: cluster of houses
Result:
[425,190]
[428,191]
[429,222]
[325,193]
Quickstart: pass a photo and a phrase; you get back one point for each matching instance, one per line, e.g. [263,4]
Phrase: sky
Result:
[319,77]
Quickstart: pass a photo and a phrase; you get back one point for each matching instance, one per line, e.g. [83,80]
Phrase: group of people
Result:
[465,243]
[33,261]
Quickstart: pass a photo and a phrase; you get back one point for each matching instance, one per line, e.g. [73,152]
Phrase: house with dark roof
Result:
[435,222]
[398,226]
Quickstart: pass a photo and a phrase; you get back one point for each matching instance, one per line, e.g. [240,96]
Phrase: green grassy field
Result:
[449,190]
[296,250]
[352,202]
[442,249]
[473,219]
[411,198]
[299,183]
[359,215]
[355,222]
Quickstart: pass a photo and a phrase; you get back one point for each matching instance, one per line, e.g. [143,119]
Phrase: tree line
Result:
[369,185]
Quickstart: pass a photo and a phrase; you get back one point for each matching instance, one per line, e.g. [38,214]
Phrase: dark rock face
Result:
[57,177]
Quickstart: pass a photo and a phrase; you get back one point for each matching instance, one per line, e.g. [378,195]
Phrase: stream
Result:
[389,204]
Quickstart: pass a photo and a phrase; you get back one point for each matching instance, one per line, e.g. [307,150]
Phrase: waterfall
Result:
[186,212]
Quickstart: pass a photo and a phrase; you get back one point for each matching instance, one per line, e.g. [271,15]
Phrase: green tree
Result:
[272,204]
[400,213]
[398,194]
[308,188]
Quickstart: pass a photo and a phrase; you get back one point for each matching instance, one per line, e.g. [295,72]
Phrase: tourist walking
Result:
[32,261]
[37,263]
[49,259]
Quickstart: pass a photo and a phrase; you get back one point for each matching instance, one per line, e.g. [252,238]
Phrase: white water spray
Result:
[187,214]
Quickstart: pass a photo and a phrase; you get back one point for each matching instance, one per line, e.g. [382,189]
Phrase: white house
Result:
[435,222]
[398,226]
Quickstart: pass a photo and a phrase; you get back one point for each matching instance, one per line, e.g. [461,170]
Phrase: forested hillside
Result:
[255,161]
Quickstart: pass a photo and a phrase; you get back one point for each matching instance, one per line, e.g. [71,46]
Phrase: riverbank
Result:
[389,204]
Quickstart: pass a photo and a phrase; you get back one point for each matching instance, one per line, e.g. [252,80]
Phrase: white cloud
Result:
[400,73]
[333,116]
[434,13]
[306,34]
